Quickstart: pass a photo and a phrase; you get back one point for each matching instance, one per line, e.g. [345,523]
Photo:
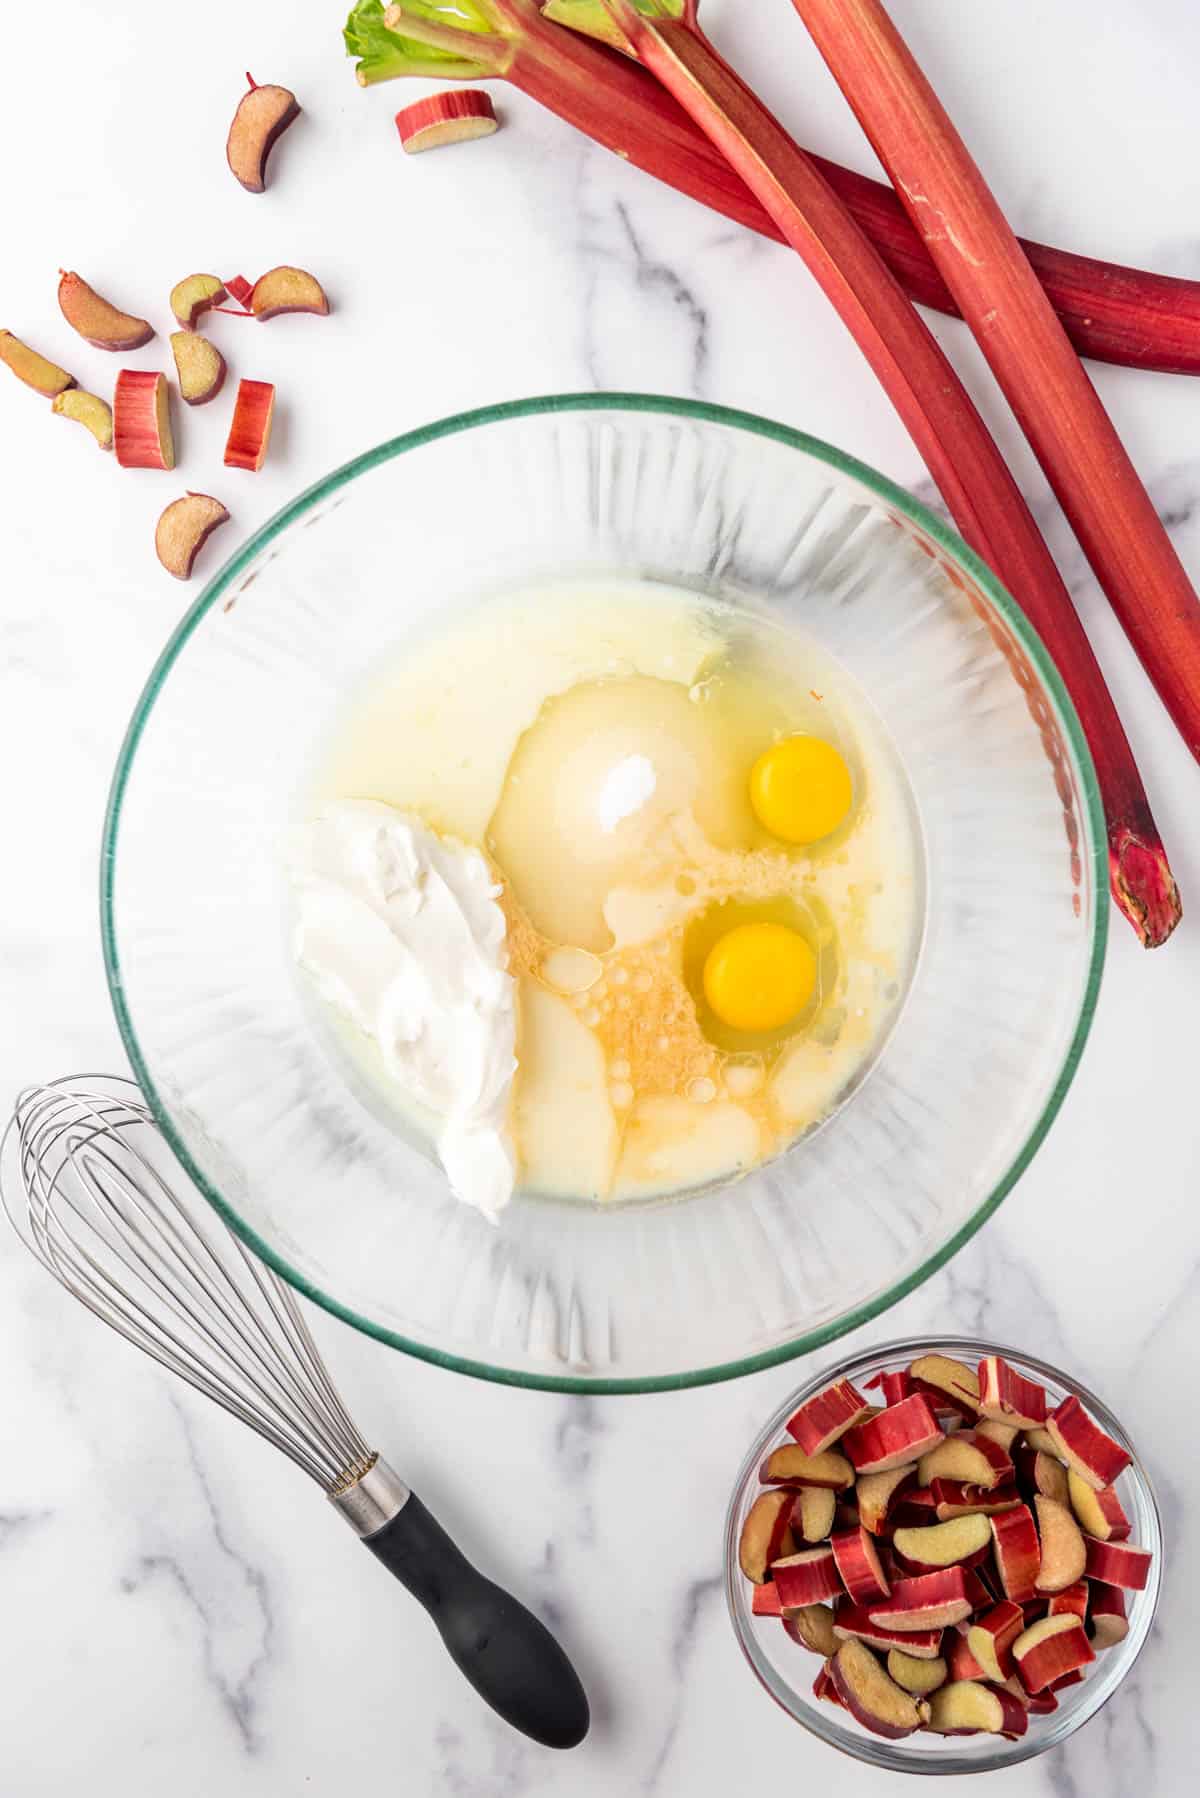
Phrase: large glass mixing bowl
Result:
[578,1296]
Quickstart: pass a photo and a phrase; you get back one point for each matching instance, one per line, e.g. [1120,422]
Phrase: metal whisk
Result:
[86,1179]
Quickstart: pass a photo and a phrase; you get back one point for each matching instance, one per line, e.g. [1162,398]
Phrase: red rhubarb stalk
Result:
[958,450]
[999,296]
[1111,313]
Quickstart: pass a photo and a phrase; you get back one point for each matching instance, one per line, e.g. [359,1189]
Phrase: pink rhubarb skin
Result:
[1111,313]
[957,448]
[999,295]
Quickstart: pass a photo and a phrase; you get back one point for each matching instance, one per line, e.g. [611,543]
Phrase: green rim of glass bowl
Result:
[660,405]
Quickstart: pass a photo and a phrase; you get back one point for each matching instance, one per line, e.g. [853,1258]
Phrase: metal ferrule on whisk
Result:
[369,1495]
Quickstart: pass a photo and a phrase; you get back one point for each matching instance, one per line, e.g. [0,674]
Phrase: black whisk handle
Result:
[510,1658]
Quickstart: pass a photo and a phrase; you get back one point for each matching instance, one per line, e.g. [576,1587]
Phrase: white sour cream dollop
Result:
[399,930]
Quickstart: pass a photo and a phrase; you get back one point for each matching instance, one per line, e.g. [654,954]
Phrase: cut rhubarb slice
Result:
[873,1699]
[183,530]
[927,1601]
[857,1561]
[1047,1650]
[877,1493]
[952,1379]
[975,1460]
[765,1601]
[98,322]
[89,410]
[762,1533]
[960,1660]
[250,433]
[1005,1434]
[991,1638]
[1118,1563]
[812,1513]
[806,1578]
[142,420]
[953,1498]
[44,377]
[262,116]
[1100,1514]
[1108,1624]
[1018,1552]
[900,1434]
[965,1708]
[1040,1472]
[1007,1396]
[456,117]
[788,1466]
[1063,1554]
[822,1419]
[854,1621]
[286,289]
[961,1541]
[1083,1445]
[812,1626]
[824,1688]
[1072,1599]
[916,1676]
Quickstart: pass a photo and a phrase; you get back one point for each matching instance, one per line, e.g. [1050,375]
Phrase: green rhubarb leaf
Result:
[383,54]
[592,18]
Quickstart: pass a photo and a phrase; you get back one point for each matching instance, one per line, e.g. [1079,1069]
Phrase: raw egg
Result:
[759,976]
[801,789]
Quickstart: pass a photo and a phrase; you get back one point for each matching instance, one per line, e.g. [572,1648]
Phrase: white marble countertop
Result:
[178,1614]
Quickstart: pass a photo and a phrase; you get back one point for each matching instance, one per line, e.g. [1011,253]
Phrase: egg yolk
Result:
[759,976]
[801,789]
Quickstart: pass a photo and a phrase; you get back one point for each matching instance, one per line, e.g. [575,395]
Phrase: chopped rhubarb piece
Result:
[916,1676]
[1072,1599]
[286,289]
[455,117]
[1100,1514]
[1018,1551]
[1106,1611]
[240,289]
[89,410]
[927,1601]
[1063,1553]
[877,1493]
[871,1697]
[991,1638]
[811,1625]
[952,1380]
[184,528]
[142,420]
[1042,1440]
[896,1386]
[806,1578]
[262,116]
[857,1561]
[812,1513]
[1040,1472]
[962,1541]
[762,1534]
[1007,1396]
[825,1417]
[954,1498]
[200,367]
[1118,1563]
[824,1688]
[960,1660]
[44,377]
[764,1600]
[1005,1434]
[900,1434]
[913,1508]
[788,1466]
[250,432]
[1047,1650]
[195,295]
[852,1620]
[967,1456]
[964,1708]
[98,322]
[1083,1445]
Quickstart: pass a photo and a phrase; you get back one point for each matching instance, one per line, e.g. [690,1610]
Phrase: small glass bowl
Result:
[787,1670]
